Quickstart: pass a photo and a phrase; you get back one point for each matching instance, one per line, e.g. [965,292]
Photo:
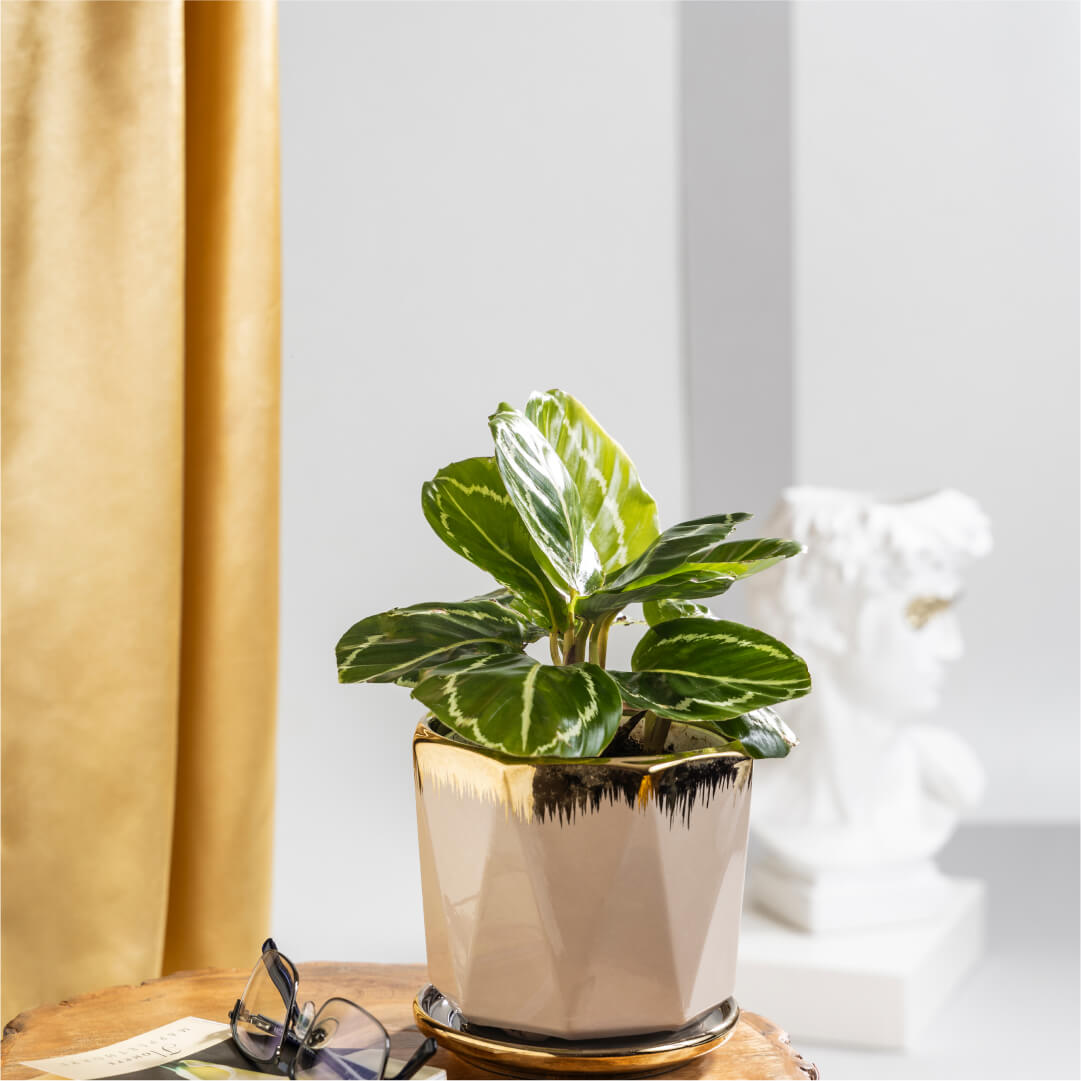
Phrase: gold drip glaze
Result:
[561,788]
[443,763]
[645,791]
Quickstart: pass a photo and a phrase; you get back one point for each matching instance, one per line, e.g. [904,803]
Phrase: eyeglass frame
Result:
[289,1029]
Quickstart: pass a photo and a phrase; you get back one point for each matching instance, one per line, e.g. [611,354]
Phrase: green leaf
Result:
[515,603]
[547,500]
[759,734]
[395,646]
[467,504]
[706,669]
[664,610]
[687,542]
[688,561]
[620,515]
[514,704]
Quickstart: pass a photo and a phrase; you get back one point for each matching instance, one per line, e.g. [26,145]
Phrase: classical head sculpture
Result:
[871,606]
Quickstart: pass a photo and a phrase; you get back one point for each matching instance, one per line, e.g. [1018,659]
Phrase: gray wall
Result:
[735,122]
[736,140]
[479,200]
[881,243]
[936,284]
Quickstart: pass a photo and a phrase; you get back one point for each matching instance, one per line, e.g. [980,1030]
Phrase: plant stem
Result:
[606,626]
[594,645]
[656,733]
[598,640]
[568,645]
[628,726]
[578,644]
[553,646]
[623,731]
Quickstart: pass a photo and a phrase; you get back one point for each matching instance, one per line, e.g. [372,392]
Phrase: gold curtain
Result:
[140,489]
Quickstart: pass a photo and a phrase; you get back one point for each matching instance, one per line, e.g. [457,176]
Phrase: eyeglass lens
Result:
[264,1007]
[344,1041]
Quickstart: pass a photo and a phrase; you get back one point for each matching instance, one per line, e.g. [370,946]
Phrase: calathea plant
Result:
[559,518]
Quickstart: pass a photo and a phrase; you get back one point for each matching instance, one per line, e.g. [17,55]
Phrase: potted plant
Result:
[583,831]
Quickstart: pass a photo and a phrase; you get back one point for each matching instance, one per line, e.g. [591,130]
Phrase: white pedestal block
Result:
[845,900]
[867,988]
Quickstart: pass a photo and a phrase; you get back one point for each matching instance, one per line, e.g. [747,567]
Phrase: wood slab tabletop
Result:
[756,1049]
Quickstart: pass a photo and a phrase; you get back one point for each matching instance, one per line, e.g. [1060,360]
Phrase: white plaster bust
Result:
[870,606]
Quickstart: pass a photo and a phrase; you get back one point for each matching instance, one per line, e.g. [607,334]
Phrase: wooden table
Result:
[757,1048]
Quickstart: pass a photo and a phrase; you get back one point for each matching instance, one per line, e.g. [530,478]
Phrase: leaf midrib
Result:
[507,555]
[431,653]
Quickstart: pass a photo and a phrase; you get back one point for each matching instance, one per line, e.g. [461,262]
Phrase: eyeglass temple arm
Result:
[417,1059]
[266,1024]
[279,973]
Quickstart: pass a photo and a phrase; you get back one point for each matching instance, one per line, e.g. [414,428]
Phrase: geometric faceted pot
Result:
[581,898]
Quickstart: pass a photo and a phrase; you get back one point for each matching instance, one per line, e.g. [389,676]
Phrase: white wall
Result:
[881,245]
[935,209]
[736,140]
[479,200]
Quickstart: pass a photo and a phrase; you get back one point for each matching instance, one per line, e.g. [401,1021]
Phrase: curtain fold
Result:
[139,438]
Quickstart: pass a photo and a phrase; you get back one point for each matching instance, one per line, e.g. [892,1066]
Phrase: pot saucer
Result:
[532,1055]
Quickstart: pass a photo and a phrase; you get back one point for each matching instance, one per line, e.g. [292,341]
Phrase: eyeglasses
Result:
[342,1040]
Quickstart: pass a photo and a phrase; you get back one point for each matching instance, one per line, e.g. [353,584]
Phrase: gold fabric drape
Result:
[140,478]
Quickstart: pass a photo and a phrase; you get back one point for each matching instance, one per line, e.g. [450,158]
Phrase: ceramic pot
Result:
[581,898]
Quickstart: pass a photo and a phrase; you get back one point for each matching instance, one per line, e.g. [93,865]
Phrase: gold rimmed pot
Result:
[581,900]
[530,1055]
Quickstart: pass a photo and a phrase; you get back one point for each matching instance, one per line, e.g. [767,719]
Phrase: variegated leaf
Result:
[511,600]
[620,515]
[664,610]
[687,542]
[705,669]
[517,705]
[467,504]
[689,561]
[396,646]
[547,500]
[759,734]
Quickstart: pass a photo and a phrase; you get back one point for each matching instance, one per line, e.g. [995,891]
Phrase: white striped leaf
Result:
[468,506]
[669,553]
[620,515]
[759,734]
[396,646]
[664,610]
[547,500]
[709,669]
[687,542]
[688,561]
[511,600]
[514,704]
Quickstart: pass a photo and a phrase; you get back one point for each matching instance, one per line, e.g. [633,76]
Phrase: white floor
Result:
[1018,1016]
